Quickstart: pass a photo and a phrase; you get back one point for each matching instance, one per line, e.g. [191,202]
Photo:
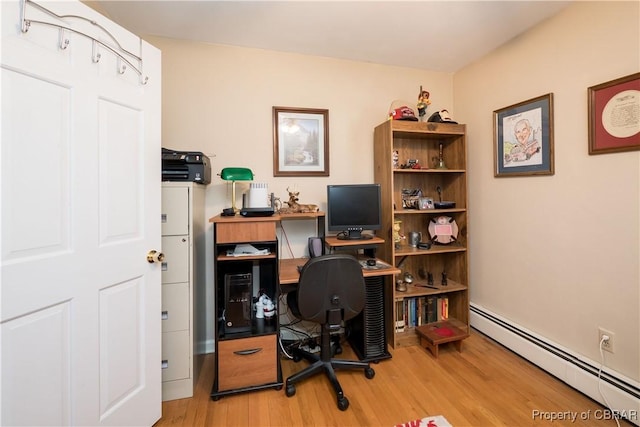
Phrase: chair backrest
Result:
[328,282]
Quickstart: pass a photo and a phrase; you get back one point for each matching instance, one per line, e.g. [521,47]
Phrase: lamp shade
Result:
[236,174]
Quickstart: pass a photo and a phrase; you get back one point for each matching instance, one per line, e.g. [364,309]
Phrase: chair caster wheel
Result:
[343,403]
[290,390]
[369,373]
[297,358]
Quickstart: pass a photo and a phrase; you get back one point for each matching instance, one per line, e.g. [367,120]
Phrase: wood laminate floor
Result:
[484,385]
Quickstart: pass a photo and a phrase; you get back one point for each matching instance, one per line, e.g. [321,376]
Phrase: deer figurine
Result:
[295,207]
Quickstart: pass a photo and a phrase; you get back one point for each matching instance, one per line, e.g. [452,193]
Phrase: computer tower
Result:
[237,305]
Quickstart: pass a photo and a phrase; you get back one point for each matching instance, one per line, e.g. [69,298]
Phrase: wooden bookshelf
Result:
[424,142]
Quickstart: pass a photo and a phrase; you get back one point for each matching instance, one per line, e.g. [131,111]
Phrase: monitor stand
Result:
[354,234]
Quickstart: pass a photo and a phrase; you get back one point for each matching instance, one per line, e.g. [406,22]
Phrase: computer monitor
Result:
[352,209]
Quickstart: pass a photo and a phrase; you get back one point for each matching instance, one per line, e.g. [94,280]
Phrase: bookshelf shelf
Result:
[419,290]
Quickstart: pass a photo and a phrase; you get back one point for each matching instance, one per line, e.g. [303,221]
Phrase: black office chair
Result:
[330,291]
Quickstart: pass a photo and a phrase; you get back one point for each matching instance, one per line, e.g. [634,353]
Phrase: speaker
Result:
[316,248]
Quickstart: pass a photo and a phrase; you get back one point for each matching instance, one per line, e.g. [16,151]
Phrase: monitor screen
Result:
[352,209]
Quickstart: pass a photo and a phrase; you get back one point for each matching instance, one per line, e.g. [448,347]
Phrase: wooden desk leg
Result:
[459,346]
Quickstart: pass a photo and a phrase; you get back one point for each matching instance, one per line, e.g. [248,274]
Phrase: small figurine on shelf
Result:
[423,103]
[397,234]
[440,161]
[395,159]
[444,278]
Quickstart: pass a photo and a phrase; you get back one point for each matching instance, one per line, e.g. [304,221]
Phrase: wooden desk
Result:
[289,270]
[368,337]
[334,242]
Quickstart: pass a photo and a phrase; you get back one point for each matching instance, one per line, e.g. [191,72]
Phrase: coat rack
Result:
[126,59]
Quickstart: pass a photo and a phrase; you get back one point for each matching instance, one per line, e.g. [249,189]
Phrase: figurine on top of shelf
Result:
[423,103]
[295,207]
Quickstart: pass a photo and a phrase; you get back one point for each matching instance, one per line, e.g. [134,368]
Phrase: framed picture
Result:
[425,203]
[300,142]
[523,138]
[614,115]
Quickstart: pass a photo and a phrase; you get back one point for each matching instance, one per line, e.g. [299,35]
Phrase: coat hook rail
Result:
[123,55]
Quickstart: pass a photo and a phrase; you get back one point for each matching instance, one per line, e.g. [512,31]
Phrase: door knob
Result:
[154,256]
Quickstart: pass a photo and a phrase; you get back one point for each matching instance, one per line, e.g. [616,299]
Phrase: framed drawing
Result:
[300,142]
[614,115]
[523,138]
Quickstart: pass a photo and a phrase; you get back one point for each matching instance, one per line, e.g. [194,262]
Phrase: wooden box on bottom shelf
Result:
[247,362]
[445,331]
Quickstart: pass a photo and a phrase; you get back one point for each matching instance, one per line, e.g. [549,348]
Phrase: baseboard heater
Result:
[577,371]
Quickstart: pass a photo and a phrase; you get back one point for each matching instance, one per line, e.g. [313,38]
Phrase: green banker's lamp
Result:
[233,175]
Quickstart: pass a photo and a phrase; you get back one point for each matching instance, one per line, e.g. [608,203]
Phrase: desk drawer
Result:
[238,232]
[247,362]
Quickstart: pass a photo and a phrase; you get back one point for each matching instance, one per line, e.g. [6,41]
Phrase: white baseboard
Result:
[206,347]
[623,394]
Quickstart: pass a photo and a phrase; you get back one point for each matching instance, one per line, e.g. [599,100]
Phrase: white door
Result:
[80,182]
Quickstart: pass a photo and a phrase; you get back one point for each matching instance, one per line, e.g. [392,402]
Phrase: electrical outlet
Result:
[608,344]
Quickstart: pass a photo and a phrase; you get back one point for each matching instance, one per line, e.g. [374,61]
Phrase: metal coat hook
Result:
[126,59]
[143,79]
[25,25]
[95,54]
[62,40]
[121,66]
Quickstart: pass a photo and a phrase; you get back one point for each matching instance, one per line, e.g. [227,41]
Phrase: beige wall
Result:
[558,254]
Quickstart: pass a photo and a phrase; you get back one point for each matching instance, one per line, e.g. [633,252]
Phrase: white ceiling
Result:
[433,35]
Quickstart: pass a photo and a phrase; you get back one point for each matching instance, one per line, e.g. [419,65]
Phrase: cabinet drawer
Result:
[175,267]
[175,307]
[175,355]
[247,362]
[175,211]
[237,232]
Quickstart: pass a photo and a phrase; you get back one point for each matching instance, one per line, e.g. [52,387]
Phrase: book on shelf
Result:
[443,308]
[432,312]
[400,317]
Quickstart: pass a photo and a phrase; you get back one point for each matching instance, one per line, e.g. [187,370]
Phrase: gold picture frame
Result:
[614,110]
[523,138]
[300,141]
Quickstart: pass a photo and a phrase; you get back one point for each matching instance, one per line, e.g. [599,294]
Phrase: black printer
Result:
[185,166]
